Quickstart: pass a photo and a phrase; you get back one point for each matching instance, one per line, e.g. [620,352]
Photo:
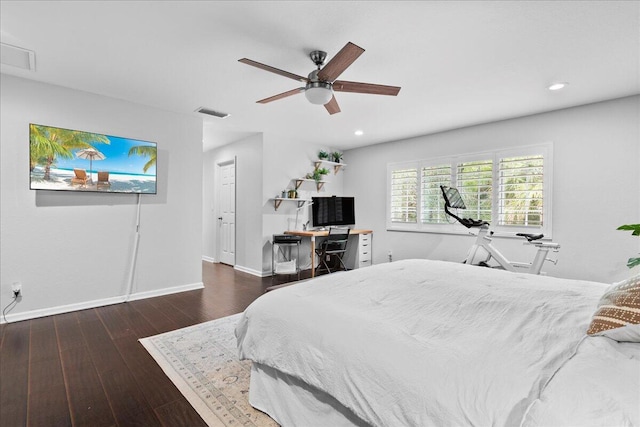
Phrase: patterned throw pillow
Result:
[618,314]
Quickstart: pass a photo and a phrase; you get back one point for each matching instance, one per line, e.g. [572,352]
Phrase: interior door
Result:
[227,213]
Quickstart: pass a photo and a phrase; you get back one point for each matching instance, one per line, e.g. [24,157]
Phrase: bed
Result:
[433,343]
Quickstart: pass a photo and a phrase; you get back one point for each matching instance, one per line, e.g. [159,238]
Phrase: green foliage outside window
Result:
[403,195]
[475,184]
[521,186]
[432,202]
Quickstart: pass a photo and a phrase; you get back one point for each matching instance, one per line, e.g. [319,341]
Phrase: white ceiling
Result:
[458,63]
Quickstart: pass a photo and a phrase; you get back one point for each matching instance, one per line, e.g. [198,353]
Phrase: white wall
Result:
[596,186]
[73,250]
[248,155]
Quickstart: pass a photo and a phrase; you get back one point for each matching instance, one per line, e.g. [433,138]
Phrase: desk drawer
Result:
[364,258]
[366,248]
[364,263]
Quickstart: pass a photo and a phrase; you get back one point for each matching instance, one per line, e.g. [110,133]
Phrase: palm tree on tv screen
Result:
[49,143]
[145,151]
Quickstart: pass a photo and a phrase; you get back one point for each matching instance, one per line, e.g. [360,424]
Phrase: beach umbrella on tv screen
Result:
[91,154]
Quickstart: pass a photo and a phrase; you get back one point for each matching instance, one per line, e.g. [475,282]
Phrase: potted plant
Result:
[317,174]
[635,231]
[323,155]
[323,172]
[337,156]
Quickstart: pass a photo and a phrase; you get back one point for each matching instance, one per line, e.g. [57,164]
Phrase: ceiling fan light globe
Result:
[318,95]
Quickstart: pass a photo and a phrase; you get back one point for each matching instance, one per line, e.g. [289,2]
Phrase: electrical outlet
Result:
[16,287]
[390,255]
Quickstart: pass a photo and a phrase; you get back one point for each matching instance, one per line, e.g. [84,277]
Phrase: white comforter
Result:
[419,343]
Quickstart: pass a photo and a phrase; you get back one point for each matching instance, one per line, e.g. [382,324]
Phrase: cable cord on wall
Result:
[134,255]
[12,304]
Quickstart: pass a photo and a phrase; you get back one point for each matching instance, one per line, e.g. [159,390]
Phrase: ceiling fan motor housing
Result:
[318,57]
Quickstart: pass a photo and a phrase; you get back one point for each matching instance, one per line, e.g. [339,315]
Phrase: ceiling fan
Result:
[321,83]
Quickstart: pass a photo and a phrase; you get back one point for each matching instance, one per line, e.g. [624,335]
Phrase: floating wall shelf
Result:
[336,166]
[299,182]
[278,201]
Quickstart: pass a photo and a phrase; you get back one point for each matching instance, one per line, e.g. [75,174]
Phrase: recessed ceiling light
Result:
[359,133]
[558,86]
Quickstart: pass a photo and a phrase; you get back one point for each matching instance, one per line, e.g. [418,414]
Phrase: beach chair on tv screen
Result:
[103,180]
[80,177]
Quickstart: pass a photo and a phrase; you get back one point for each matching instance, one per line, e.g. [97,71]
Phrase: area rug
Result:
[202,361]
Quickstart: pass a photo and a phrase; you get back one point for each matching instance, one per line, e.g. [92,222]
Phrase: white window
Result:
[432,203]
[511,189]
[521,191]
[404,184]
[474,181]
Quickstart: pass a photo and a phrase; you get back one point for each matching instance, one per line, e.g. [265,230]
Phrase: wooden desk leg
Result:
[313,256]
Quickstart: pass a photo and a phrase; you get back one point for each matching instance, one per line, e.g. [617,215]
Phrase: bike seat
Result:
[530,237]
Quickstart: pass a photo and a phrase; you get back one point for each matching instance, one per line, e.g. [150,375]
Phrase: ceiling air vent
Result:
[213,113]
[17,57]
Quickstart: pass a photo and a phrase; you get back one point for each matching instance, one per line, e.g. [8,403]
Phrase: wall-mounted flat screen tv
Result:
[327,211]
[74,160]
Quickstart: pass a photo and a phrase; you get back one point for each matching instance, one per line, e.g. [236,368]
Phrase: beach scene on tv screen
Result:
[65,159]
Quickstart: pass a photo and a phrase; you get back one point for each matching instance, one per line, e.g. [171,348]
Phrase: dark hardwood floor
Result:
[87,368]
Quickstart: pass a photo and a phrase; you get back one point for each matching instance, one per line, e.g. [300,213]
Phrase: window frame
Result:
[546,149]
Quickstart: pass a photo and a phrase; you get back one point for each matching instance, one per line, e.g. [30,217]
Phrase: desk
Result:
[324,233]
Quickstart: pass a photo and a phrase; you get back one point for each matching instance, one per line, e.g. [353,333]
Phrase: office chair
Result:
[333,249]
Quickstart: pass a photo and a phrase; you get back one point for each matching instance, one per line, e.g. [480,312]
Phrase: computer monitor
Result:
[327,211]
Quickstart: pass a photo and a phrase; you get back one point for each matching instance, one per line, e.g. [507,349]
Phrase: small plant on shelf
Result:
[317,174]
[336,156]
[323,155]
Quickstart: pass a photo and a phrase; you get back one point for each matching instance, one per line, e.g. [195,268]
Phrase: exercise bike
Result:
[453,200]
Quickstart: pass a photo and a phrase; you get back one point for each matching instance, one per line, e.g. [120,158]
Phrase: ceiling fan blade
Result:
[273,70]
[332,106]
[281,95]
[347,55]
[357,87]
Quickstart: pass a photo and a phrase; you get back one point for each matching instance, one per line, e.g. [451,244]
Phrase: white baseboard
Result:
[252,271]
[240,268]
[34,314]
[166,291]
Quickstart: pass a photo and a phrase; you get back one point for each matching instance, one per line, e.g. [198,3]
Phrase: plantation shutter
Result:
[404,185]
[475,183]
[433,177]
[521,187]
